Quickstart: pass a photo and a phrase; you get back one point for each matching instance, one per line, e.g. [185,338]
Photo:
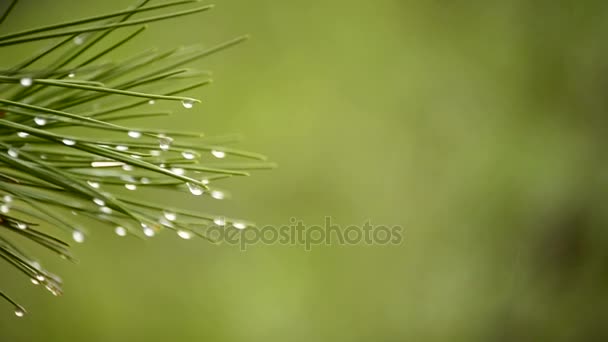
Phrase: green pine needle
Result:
[52,179]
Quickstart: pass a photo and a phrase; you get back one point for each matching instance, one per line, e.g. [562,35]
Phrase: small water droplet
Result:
[13,152]
[178,170]
[19,312]
[99,202]
[93,184]
[127,167]
[217,194]
[134,134]
[71,75]
[220,221]
[78,236]
[155,153]
[40,277]
[105,210]
[171,216]
[131,186]
[205,181]
[120,231]
[145,180]
[122,147]
[149,232]
[188,104]
[78,40]
[164,143]
[239,225]
[151,102]
[40,121]
[4,209]
[184,234]
[188,155]
[68,142]
[21,225]
[7,198]
[195,189]
[23,134]
[34,281]
[218,154]
[26,81]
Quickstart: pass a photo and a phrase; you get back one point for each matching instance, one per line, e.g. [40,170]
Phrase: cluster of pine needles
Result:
[65,156]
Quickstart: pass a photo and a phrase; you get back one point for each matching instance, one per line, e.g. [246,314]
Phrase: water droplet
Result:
[105,210]
[78,236]
[78,40]
[40,277]
[19,312]
[188,155]
[177,170]
[13,152]
[71,75]
[68,142]
[93,184]
[145,180]
[205,181]
[26,81]
[131,186]
[149,232]
[106,163]
[134,134]
[195,189]
[217,194]
[122,147]
[7,198]
[135,156]
[99,202]
[120,231]
[184,234]
[40,121]
[21,225]
[155,153]
[188,104]
[22,134]
[127,167]
[4,209]
[151,102]
[239,225]
[170,215]
[34,281]
[164,143]
[218,154]
[220,221]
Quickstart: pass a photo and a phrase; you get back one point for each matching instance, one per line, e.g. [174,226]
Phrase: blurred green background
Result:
[478,126]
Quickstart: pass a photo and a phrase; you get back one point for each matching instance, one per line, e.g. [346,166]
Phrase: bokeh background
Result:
[478,126]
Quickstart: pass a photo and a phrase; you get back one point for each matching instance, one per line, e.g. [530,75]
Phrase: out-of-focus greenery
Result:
[478,126]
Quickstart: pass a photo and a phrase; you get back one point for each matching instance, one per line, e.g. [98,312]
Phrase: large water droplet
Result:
[19,312]
[130,186]
[40,121]
[69,142]
[188,155]
[93,184]
[219,221]
[195,189]
[26,81]
[149,232]
[4,209]
[7,198]
[13,152]
[105,210]
[134,134]
[218,154]
[164,143]
[188,104]
[21,225]
[22,134]
[34,281]
[78,236]
[120,231]
[184,234]
[171,216]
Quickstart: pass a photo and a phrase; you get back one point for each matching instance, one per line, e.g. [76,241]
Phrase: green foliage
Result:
[64,157]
